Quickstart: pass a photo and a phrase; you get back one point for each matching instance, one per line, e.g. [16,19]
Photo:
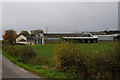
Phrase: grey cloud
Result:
[60,16]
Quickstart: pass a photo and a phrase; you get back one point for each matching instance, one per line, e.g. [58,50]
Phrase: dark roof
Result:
[58,35]
[36,31]
[30,38]
[98,33]
[22,40]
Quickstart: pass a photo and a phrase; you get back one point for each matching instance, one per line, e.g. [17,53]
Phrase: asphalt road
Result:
[10,70]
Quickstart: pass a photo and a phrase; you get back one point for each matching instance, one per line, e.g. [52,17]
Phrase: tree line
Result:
[112,31]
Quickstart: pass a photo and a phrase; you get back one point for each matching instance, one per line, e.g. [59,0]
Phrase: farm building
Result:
[82,39]
[39,37]
[104,38]
[95,37]
[98,33]
[116,37]
[36,37]
[92,39]
[21,39]
[52,38]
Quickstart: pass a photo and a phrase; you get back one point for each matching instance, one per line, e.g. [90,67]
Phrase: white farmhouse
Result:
[36,37]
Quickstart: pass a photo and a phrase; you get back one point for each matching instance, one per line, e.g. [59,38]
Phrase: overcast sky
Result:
[60,16]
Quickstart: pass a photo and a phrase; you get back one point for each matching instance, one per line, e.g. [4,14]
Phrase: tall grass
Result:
[24,54]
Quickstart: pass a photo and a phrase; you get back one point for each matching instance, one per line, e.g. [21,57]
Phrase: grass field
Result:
[44,50]
[47,50]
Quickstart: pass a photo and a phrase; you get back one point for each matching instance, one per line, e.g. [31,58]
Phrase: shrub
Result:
[67,58]
[22,53]
[104,66]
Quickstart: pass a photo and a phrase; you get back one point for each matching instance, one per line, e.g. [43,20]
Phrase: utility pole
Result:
[46,30]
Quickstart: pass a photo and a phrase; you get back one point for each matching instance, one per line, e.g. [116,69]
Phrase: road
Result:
[10,70]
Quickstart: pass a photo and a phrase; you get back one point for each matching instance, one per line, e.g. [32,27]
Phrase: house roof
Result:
[36,31]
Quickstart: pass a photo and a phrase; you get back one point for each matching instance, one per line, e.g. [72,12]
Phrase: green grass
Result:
[46,51]
[102,48]
[43,50]
[36,69]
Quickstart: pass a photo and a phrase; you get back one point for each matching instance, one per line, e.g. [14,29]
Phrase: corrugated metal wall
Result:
[105,37]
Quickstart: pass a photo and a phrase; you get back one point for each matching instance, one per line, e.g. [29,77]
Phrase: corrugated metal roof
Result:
[79,37]
[57,35]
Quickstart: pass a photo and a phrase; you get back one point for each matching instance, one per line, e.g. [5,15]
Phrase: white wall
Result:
[105,37]
[21,37]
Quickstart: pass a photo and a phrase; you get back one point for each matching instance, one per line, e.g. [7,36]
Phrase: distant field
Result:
[46,50]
